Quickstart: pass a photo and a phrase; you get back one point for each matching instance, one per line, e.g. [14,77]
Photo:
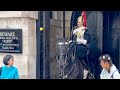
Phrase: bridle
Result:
[63,62]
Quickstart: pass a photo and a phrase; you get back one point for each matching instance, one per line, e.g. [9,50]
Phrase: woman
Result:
[109,69]
[9,71]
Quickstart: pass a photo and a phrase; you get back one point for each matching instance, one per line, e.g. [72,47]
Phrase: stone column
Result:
[25,20]
[67,22]
[56,31]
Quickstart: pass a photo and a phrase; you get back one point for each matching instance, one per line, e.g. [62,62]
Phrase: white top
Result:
[114,73]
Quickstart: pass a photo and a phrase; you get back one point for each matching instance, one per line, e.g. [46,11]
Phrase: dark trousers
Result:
[81,52]
[81,69]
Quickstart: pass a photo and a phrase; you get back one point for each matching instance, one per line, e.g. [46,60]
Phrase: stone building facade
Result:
[26,20]
[103,28]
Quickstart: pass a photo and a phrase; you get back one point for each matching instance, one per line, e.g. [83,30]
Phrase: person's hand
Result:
[78,40]
[70,41]
[82,41]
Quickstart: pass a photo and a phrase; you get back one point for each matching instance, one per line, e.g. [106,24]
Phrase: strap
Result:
[113,73]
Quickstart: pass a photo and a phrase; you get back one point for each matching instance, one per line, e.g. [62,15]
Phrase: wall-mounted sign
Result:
[10,40]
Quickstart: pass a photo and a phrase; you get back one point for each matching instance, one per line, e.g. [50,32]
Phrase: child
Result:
[9,71]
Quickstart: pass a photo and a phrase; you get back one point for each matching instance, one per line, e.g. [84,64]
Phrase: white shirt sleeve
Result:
[83,41]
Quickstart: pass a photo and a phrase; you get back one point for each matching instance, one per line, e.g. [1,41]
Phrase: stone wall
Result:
[25,20]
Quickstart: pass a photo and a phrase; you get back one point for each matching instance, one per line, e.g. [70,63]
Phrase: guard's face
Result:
[103,64]
[79,24]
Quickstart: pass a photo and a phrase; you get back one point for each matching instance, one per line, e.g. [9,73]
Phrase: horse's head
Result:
[61,48]
[65,55]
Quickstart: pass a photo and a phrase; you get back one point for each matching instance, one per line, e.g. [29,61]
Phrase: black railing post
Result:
[43,45]
[64,24]
[39,46]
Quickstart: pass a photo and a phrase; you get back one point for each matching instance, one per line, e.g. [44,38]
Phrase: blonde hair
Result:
[80,19]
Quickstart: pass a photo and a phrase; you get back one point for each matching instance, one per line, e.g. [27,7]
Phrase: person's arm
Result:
[16,74]
[87,36]
[82,41]
[116,75]
[86,39]
[101,74]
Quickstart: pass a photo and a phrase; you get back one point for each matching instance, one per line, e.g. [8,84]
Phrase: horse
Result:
[68,63]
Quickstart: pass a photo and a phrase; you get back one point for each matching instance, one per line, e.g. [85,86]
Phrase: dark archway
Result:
[111,35]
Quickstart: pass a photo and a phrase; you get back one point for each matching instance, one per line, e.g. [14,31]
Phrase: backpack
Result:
[113,74]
